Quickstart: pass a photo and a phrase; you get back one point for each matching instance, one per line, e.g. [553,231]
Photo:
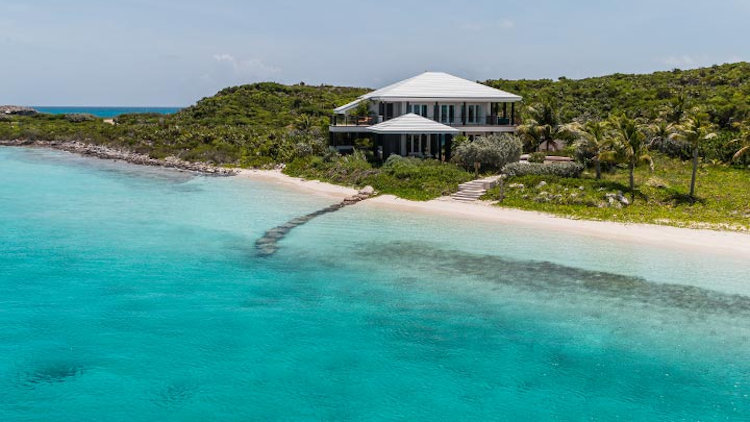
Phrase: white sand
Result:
[308,186]
[710,241]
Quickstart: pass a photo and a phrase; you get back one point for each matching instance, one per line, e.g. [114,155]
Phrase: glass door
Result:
[474,114]
[447,113]
[417,145]
[419,109]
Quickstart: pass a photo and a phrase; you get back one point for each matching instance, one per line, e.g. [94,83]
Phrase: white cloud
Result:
[506,24]
[679,61]
[247,68]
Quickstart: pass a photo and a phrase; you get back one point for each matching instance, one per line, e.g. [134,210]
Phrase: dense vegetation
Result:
[410,178]
[724,90]
[491,152]
[723,203]
[692,125]
[252,125]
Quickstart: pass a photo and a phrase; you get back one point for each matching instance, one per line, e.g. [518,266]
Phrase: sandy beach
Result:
[710,241]
[309,186]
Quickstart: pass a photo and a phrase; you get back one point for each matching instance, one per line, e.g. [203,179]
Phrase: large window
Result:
[447,113]
[417,145]
[419,109]
[473,113]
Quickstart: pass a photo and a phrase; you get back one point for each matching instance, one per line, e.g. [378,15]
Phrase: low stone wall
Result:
[269,243]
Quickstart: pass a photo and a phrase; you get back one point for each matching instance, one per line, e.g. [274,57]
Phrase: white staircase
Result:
[471,191]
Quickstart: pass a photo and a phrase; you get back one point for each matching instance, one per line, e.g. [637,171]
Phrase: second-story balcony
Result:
[360,121]
[346,120]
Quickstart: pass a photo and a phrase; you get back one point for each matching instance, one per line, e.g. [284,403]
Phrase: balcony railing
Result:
[486,121]
[344,120]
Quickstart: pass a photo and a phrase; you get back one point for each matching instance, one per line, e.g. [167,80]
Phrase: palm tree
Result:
[675,110]
[304,123]
[631,136]
[743,140]
[530,135]
[594,136]
[660,131]
[543,124]
[695,130]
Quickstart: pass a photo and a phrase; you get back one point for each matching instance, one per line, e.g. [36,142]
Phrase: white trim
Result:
[352,129]
[485,129]
[346,107]
[433,100]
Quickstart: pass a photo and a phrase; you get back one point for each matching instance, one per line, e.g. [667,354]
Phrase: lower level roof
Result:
[412,123]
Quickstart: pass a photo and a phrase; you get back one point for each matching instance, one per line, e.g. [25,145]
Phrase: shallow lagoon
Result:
[132,293]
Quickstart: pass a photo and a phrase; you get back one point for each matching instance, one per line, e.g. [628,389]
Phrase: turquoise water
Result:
[105,112]
[131,293]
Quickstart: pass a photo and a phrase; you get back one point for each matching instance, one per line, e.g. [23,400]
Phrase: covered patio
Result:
[412,135]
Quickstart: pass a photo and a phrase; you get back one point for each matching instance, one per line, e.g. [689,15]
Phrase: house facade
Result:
[421,115]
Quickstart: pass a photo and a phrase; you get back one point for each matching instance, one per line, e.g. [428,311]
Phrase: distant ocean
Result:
[106,111]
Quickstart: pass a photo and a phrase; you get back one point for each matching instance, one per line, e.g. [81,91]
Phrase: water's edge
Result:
[111,153]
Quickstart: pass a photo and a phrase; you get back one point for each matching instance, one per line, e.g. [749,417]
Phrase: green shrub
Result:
[537,157]
[410,178]
[459,140]
[79,117]
[567,169]
[673,148]
[403,167]
[491,152]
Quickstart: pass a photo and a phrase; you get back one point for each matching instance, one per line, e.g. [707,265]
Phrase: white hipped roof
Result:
[411,123]
[435,86]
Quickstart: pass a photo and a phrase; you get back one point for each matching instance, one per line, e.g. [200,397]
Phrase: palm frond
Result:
[744,150]
[645,158]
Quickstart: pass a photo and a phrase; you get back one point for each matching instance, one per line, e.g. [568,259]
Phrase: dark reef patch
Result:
[552,279]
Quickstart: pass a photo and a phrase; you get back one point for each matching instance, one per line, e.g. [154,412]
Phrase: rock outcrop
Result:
[17,110]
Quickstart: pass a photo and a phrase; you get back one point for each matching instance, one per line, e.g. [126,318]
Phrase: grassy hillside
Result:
[249,125]
[724,90]
[268,105]
[723,195]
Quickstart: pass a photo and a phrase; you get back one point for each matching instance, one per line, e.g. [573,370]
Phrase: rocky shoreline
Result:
[109,153]
[17,110]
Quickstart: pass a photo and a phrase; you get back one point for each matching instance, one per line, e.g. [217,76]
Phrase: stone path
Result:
[471,191]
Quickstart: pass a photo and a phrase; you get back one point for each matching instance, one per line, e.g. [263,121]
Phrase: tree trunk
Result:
[477,165]
[695,170]
[632,181]
[598,166]
[501,181]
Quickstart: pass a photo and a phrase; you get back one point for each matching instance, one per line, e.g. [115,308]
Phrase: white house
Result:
[420,116]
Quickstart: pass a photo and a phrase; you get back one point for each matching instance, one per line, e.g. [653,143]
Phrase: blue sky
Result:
[138,52]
